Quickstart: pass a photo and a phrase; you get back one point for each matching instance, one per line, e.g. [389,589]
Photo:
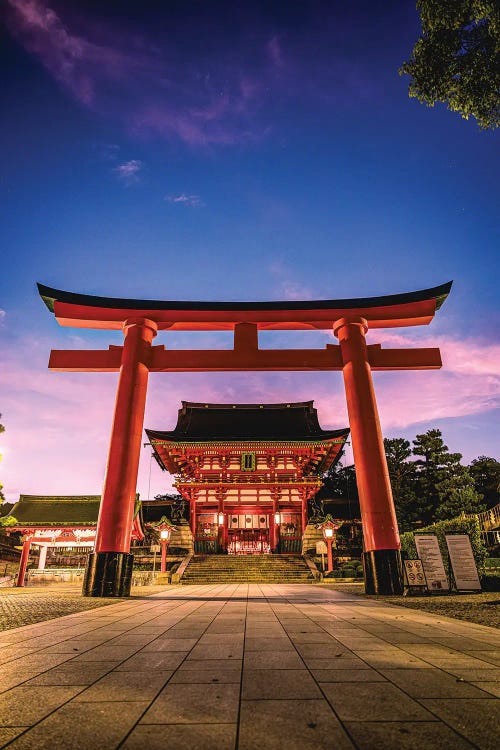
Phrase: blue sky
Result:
[233,151]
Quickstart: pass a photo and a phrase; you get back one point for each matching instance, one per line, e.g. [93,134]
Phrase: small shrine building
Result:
[247,472]
[59,523]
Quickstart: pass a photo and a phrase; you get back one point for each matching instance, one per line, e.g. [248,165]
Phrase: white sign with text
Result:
[462,562]
[432,562]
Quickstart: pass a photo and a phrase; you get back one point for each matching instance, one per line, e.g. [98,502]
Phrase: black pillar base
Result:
[108,574]
[383,571]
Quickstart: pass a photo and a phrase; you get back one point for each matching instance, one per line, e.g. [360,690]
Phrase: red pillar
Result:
[163,564]
[220,527]
[23,562]
[329,555]
[382,558]
[304,512]
[275,538]
[193,518]
[110,567]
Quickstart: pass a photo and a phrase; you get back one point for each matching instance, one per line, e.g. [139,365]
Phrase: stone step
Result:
[247,569]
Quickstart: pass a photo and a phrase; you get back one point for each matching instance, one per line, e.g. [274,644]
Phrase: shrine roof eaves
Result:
[51,295]
[59,510]
[198,422]
[86,310]
[38,510]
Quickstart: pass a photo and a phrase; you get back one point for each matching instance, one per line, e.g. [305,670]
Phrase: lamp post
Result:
[164,528]
[329,529]
[164,539]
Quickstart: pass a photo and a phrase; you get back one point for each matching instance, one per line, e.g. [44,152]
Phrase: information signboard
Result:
[432,562]
[414,573]
[321,548]
[462,562]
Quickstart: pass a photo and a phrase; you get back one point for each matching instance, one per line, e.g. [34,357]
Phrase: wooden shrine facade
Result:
[247,472]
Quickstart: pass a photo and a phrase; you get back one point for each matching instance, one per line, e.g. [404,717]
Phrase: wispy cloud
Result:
[289,287]
[128,172]
[183,199]
[227,90]
[2,316]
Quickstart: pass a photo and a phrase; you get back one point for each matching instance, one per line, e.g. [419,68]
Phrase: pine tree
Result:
[435,466]
[485,472]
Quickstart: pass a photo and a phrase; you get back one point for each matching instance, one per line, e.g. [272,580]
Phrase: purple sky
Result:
[193,150]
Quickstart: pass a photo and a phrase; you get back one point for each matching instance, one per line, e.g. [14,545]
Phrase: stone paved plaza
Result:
[250,666]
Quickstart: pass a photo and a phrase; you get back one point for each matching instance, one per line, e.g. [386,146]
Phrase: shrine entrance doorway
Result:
[248,542]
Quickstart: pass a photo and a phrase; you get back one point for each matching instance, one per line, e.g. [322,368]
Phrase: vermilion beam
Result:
[201,360]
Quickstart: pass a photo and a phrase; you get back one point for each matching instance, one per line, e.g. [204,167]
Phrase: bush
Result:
[460,525]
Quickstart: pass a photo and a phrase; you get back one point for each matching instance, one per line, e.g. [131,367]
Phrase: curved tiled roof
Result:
[198,422]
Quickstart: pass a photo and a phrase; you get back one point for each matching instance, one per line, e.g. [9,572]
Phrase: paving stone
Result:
[393,659]
[430,683]
[273,660]
[321,650]
[212,674]
[263,643]
[170,644]
[397,735]
[217,651]
[278,683]
[82,726]
[343,660]
[182,737]
[290,725]
[72,674]
[491,687]
[312,637]
[382,702]
[25,705]
[148,661]
[347,675]
[203,665]
[118,686]
[478,720]
[9,733]
[194,704]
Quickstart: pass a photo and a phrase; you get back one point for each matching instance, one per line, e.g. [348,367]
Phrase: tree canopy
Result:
[429,483]
[457,58]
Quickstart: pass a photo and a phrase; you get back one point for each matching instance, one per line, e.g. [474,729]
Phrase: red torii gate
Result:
[110,566]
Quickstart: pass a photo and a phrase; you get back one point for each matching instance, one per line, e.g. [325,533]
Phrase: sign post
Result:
[321,549]
[414,574]
[154,549]
[428,551]
[462,562]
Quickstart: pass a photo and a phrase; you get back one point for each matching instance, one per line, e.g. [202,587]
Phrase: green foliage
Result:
[457,58]
[443,487]
[461,525]
[8,521]
[485,473]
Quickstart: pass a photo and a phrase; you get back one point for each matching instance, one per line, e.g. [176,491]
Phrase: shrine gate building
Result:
[247,472]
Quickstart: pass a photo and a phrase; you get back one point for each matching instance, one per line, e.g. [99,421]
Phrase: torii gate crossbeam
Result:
[110,566]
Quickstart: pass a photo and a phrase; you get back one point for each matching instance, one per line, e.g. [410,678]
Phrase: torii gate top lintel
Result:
[388,311]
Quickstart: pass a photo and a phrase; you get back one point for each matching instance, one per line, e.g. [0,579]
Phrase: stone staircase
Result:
[247,569]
